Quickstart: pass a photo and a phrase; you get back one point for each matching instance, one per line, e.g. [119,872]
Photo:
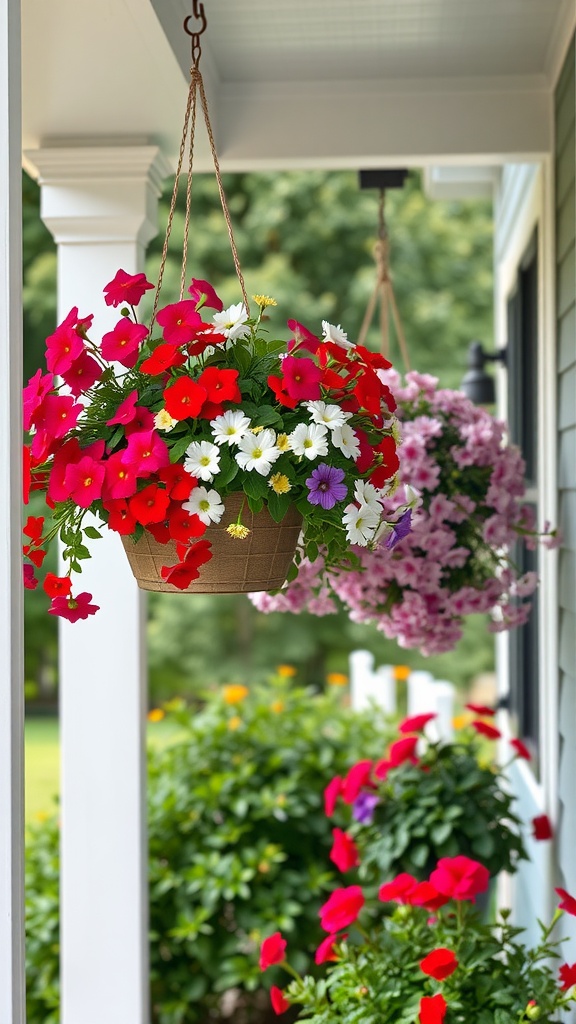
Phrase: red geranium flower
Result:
[272,951]
[425,895]
[182,574]
[183,525]
[480,709]
[344,852]
[184,398]
[178,482]
[120,518]
[179,321]
[399,889]
[521,749]
[69,453]
[326,949]
[439,964]
[341,909]
[368,390]
[567,977]
[567,902]
[416,723]
[160,531]
[490,731]
[220,385]
[403,750]
[301,378]
[331,794]
[33,528]
[73,608]
[432,1009]
[541,827]
[162,359]
[203,292]
[120,478]
[277,385]
[358,775]
[279,1002]
[30,581]
[126,288]
[460,878]
[149,505]
[122,343]
[36,555]
[57,585]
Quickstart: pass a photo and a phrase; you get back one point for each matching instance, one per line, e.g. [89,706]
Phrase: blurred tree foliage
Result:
[306,238]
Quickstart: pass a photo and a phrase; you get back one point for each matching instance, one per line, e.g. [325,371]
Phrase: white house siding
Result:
[565,144]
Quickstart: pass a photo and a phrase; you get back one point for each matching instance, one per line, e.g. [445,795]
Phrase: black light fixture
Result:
[476,384]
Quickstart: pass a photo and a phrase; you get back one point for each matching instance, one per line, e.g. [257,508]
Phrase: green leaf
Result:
[92,532]
[178,448]
[278,505]
[439,833]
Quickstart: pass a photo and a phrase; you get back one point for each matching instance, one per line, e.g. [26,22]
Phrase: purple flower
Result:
[400,529]
[326,487]
[363,807]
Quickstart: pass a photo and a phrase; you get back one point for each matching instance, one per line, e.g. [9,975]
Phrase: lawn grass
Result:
[42,762]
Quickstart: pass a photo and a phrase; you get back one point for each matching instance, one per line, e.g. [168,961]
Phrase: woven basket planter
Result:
[260,562]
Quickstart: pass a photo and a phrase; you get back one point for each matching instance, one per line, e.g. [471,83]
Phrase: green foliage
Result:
[448,803]
[239,844]
[378,977]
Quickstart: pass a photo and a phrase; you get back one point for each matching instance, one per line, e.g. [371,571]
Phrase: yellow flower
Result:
[41,816]
[238,531]
[283,442]
[461,721]
[264,300]
[235,693]
[234,722]
[401,673]
[337,679]
[164,421]
[256,430]
[286,671]
[277,706]
[280,483]
[156,715]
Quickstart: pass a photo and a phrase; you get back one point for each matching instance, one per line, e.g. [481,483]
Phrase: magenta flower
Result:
[83,373]
[36,390]
[146,453]
[325,484]
[73,608]
[126,288]
[125,412]
[203,289]
[65,345]
[301,378]
[123,343]
[179,321]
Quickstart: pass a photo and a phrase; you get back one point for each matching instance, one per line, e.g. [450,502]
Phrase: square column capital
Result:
[99,193]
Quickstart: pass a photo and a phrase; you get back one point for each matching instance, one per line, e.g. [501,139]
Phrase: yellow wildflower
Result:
[286,671]
[337,679]
[234,722]
[461,721]
[264,300]
[283,442]
[156,715]
[238,531]
[235,693]
[401,673]
[256,430]
[280,483]
[277,706]
[164,421]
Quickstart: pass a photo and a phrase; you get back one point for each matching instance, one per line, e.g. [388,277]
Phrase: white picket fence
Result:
[370,684]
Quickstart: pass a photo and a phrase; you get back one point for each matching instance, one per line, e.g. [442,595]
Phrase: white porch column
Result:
[100,205]
[11,670]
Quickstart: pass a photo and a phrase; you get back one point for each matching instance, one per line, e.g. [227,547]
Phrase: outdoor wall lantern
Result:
[476,384]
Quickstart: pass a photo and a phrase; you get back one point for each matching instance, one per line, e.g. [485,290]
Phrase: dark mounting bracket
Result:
[382,179]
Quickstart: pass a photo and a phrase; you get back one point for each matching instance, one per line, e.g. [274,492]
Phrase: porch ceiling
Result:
[328,83]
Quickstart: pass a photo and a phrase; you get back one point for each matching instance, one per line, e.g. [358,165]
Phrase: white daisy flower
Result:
[336,335]
[361,524]
[202,460]
[329,415]
[229,427]
[207,505]
[366,494]
[258,451]
[309,439]
[345,439]
[231,322]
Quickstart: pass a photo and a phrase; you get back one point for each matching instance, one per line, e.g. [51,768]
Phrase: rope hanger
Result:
[384,291]
[196,86]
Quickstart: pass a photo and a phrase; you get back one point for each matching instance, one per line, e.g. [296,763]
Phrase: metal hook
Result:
[199,15]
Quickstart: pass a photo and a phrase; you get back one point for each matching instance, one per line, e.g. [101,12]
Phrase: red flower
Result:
[301,378]
[416,723]
[126,288]
[279,1002]
[30,581]
[220,385]
[160,531]
[126,411]
[179,321]
[326,949]
[183,525]
[432,1009]
[83,373]
[403,750]
[425,895]
[143,420]
[382,767]
[480,709]
[390,460]
[182,574]
[65,345]
[162,359]
[460,878]
[277,385]
[57,585]
[567,902]
[341,909]
[149,505]
[146,453]
[122,344]
[331,794]
[358,776]
[490,731]
[303,338]
[60,413]
[344,852]
[272,951]
[69,453]
[203,294]
[399,889]
[541,827]
[439,964]
[36,555]
[120,478]
[33,528]
[120,518]
[567,977]
[368,391]
[73,608]
[34,394]
[84,480]
[178,482]
[184,398]
[521,749]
